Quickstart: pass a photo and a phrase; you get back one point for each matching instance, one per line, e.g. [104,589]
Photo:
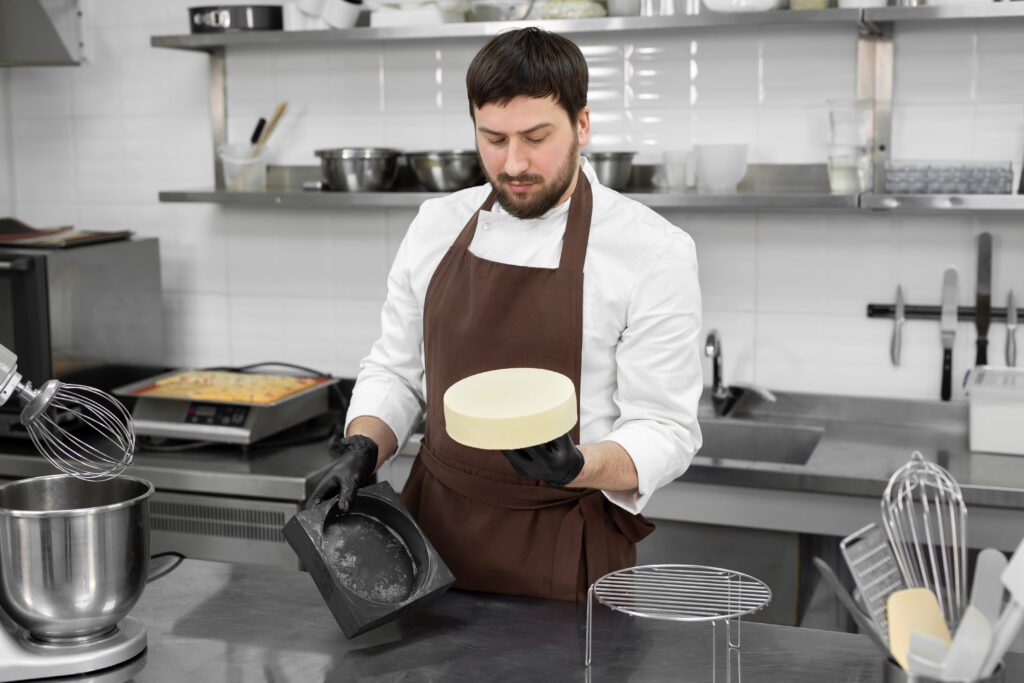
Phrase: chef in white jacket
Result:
[541,267]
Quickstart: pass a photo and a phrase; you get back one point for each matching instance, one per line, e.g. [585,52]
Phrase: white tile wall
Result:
[93,145]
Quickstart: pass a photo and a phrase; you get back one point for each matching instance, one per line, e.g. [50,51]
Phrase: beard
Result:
[547,193]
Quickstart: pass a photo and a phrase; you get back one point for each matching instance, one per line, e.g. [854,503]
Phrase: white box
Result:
[996,410]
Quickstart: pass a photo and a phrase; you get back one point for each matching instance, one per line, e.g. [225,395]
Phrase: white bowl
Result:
[720,168]
[741,5]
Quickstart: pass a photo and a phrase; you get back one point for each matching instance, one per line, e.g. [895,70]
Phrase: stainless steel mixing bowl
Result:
[358,169]
[73,554]
[613,168]
[446,171]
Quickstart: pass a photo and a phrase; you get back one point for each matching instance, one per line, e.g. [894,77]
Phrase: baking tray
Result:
[138,390]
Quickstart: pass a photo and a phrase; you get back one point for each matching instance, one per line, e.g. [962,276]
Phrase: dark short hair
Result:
[531,62]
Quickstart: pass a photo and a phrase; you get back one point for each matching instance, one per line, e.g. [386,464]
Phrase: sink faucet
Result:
[725,399]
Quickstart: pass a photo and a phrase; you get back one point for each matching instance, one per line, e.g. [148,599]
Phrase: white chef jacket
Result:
[641,369]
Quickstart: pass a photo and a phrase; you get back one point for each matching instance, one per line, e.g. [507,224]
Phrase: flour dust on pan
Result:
[369,558]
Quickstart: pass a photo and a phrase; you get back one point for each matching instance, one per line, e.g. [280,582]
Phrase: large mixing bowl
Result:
[73,555]
[358,169]
[446,171]
[612,168]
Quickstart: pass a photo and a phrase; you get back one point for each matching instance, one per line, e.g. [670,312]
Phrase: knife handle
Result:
[982,356]
[947,374]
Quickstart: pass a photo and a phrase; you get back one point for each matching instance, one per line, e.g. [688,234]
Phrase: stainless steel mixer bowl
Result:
[358,169]
[73,554]
[446,171]
[612,168]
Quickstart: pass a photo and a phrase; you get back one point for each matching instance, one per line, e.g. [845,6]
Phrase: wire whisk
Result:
[925,518]
[101,450]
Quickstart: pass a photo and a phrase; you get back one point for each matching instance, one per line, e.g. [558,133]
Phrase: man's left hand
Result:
[557,462]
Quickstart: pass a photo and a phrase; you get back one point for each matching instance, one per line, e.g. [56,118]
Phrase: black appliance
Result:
[85,315]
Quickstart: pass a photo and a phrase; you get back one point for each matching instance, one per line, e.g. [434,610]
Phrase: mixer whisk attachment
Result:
[925,517]
[101,450]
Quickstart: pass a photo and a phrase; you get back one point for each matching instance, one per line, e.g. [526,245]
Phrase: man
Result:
[545,268]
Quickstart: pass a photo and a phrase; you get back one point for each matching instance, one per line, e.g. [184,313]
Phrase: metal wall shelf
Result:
[656,200]
[397,200]
[477,29]
[706,19]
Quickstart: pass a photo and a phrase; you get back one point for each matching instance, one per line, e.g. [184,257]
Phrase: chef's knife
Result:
[983,297]
[947,326]
[899,316]
[1011,330]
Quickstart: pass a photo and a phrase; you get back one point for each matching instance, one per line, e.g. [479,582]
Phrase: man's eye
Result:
[537,140]
[499,141]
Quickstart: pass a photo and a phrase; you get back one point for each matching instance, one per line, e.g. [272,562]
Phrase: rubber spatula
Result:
[970,645]
[1012,616]
[987,589]
[909,610]
[926,655]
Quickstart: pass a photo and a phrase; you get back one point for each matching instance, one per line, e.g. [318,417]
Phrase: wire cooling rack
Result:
[678,592]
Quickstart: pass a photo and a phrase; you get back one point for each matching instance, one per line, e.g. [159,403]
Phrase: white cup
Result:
[679,169]
[341,13]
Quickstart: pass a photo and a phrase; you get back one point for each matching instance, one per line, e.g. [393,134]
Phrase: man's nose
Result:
[516,162]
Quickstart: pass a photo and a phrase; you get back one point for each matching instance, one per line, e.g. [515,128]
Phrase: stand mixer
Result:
[74,547]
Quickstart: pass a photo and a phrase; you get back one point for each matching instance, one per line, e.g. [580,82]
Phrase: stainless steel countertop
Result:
[865,441]
[209,621]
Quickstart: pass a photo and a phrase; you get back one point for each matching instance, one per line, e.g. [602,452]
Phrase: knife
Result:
[947,326]
[983,297]
[1011,330]
[899,316]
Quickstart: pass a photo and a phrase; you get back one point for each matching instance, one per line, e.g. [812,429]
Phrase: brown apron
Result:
[497,530]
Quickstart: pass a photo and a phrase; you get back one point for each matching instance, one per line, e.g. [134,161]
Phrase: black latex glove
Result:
[356,458]
[557,462]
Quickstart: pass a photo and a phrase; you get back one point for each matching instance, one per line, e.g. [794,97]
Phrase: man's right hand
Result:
[356,459]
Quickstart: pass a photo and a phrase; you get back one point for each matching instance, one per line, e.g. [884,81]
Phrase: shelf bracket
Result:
[218,108]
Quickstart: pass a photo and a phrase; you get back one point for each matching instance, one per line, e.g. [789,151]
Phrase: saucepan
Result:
[74,555]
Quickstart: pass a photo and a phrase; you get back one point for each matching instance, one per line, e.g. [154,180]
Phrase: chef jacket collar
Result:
[499,215]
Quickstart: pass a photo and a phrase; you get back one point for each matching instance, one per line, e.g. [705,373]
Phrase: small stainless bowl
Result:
[499,10]
[358,169]
[446,171]
[613,168]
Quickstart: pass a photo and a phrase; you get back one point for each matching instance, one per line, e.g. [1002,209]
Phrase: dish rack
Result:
[679,592]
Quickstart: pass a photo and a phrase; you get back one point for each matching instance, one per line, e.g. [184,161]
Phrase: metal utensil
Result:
[863,619]
[874,570]
[983,297]
[947,326]
[899,317]
[1011,330]
[925,518]
[104,447]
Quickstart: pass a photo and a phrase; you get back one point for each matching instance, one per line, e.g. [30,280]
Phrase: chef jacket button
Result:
[487,226]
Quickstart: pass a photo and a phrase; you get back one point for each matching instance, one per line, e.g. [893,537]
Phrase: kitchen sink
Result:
[758,441]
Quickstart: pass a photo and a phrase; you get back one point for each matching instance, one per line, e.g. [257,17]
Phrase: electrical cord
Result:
[170,568]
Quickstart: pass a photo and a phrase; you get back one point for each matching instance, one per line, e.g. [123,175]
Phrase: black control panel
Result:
[216,414]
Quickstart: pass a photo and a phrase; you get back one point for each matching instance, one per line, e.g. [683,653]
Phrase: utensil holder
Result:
[894,673]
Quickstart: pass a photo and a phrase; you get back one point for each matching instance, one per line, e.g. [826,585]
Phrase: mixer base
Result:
[26,659]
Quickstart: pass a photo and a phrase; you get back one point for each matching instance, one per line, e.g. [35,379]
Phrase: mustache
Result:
[506,178]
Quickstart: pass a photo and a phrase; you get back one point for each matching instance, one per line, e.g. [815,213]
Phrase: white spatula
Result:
[987,589]
[970,646]
[909,610]
[926,655]
[1012,616]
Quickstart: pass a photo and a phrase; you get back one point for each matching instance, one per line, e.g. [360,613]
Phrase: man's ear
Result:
[583,127]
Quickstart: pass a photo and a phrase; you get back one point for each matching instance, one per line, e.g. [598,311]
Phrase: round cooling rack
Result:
[678,592]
